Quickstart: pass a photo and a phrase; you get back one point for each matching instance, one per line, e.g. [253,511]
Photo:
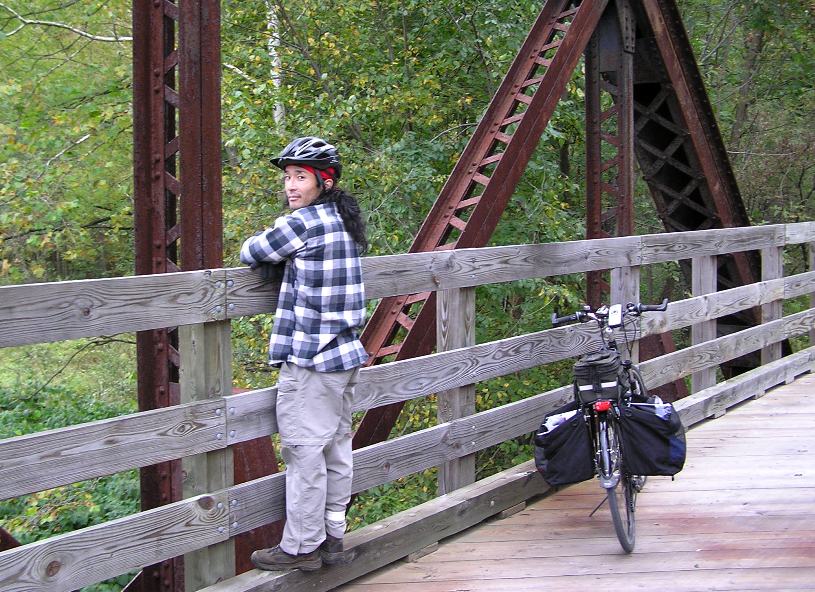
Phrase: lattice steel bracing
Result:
[609,134]
[156,189]
[679,148]
[176,88]
[482,182]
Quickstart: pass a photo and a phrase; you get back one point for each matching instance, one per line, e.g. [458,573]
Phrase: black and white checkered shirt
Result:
[322,297]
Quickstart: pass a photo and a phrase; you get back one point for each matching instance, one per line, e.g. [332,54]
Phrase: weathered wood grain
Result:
[251,415]
[704,278]
[261,502]
[40,461]
[83,452]
[800,285]
[205,373]
[396,537]
[713,401]
[673,246]
[801,232]
[444,270]
[247,293]
[733,530]
[43,313]
[678,364]
[691,311]
[83,557]
[399,381]
[772,267]
[455,328]
[811,262]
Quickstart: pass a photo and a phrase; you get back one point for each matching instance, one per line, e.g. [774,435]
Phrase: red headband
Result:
[326,174]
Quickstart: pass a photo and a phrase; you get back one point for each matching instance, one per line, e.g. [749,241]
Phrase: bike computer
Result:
[615,315]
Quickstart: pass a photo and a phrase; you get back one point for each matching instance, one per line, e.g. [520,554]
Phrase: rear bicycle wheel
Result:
[620,489]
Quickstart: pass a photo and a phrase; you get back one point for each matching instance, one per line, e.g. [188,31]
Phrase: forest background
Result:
[399,85]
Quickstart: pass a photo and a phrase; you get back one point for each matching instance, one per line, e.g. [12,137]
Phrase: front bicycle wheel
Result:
[620,489]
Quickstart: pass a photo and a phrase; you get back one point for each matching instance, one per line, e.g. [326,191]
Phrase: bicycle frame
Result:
[602,415]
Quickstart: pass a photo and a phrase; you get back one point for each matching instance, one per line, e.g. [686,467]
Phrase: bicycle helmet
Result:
[312,151]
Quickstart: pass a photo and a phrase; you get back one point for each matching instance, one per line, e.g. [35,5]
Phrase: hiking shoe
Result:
[331,551]
[276,559]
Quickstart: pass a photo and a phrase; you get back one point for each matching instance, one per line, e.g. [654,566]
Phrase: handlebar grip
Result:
[556,320]
[653,307]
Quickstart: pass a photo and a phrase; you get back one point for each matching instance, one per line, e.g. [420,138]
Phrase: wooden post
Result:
[704,281]
[811,251]
[206,373]
[455,328]
[625,288]
[772,267]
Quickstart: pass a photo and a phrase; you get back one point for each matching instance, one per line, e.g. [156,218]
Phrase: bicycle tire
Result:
[621,493]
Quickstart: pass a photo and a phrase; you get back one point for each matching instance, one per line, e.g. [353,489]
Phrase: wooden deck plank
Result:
[737,580]
[738,517]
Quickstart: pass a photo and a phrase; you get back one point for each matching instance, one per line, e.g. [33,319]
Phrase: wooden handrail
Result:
[42,313]
[48,459]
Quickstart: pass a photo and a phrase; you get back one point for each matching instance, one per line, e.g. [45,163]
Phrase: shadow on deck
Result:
[738,517]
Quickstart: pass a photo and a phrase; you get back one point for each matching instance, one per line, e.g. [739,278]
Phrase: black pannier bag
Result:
[596,375]
[563,452]
[653,439]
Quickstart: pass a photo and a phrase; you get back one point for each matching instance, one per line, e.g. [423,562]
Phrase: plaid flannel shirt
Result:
[322,296]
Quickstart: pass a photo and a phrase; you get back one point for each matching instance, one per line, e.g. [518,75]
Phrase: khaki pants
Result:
[314,421]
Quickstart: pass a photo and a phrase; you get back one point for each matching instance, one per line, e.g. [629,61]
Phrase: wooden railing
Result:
[201,430]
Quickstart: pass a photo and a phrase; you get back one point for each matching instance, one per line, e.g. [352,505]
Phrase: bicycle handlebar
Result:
[588,313]
[556,320]
[641,308]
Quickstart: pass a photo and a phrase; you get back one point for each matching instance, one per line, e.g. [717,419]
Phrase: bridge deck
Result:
[740,516]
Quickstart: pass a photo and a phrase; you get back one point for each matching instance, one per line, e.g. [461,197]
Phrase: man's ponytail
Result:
[350,213]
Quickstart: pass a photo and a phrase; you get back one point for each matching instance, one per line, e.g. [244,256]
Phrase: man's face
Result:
[301,186]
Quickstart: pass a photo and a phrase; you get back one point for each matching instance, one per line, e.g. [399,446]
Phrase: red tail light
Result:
[602,405]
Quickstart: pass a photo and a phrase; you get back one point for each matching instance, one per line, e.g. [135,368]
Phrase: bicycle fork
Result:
[606,464]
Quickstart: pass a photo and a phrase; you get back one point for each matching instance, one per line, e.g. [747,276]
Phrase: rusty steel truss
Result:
[645,103]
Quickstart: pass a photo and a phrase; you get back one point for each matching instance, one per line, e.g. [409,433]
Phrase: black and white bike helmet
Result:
[311,151]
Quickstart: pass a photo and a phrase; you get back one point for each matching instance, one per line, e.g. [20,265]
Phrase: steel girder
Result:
[176,88]
[474,197]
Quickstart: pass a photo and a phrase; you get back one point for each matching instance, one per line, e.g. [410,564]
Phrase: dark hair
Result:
[350,213]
